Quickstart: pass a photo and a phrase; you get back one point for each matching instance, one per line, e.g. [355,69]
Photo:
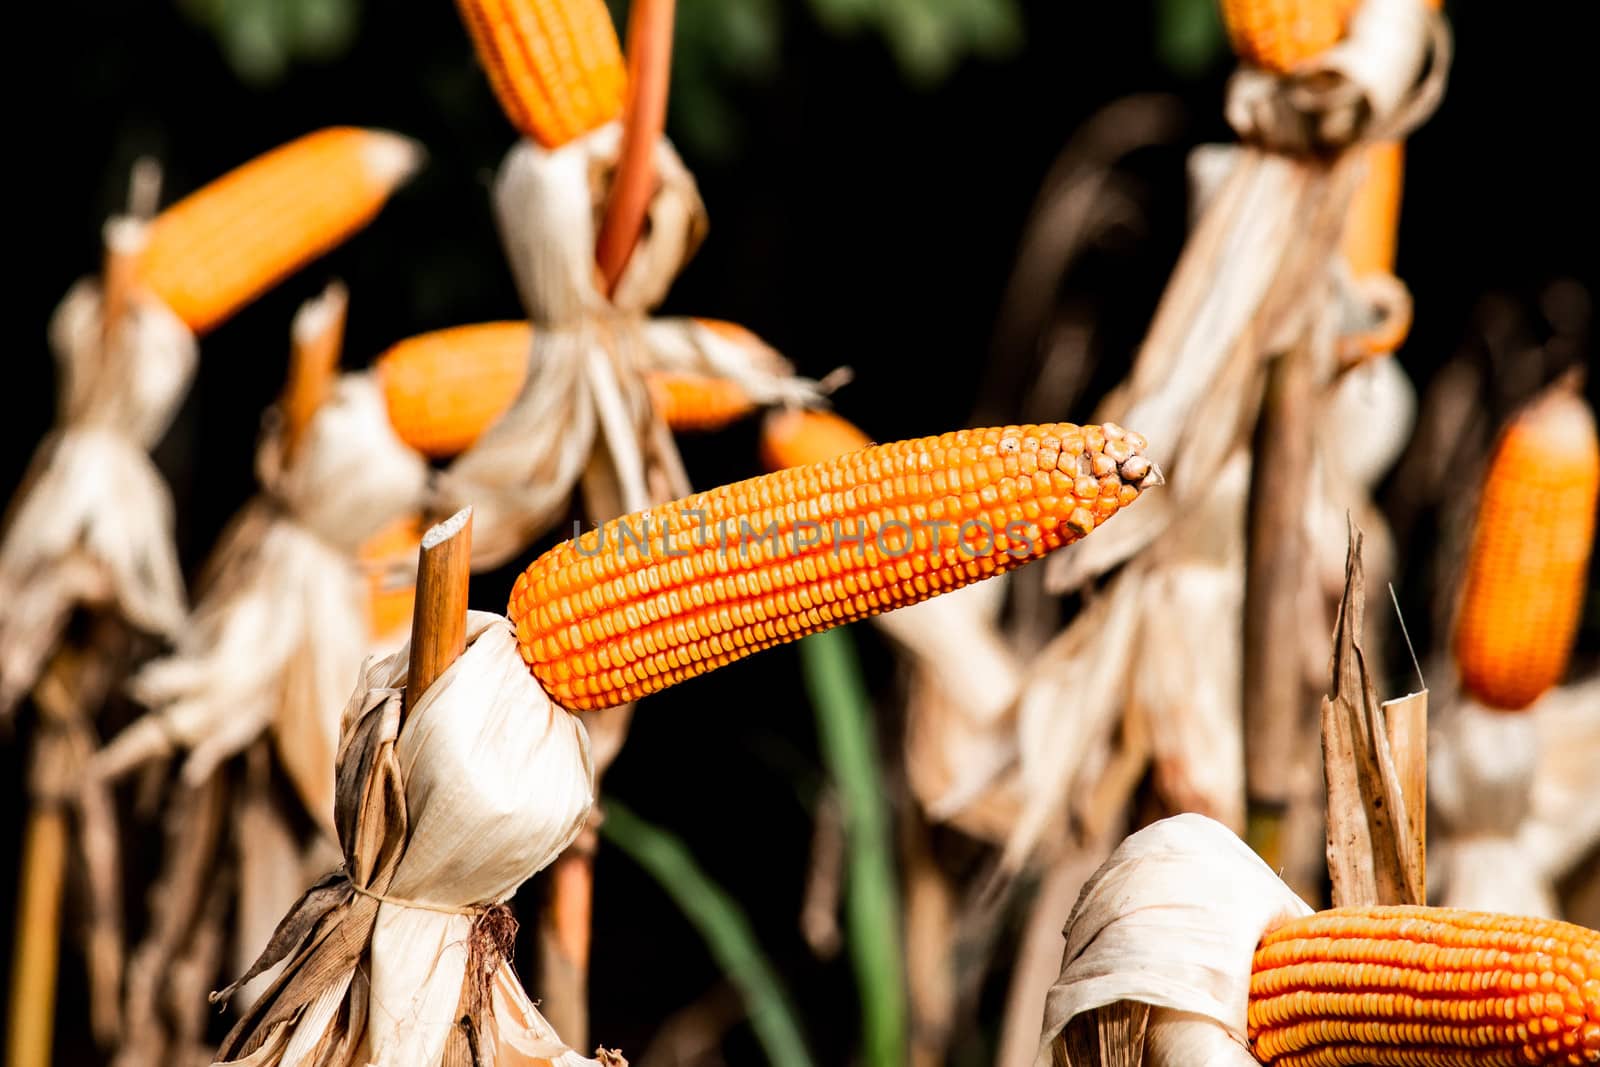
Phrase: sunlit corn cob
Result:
[1526,569]
[220,247]
[1415,987]
[696,402]
[443,389]
[1279,35]
[795,437]
[555,65]
[389,559]
[656,597]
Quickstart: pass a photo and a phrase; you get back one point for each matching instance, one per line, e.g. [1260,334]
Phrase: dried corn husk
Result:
[1383,78]
[585,394]
[1171,921]
[92,523]
[282,628]
[1518,799]
[440,819]
[961,698]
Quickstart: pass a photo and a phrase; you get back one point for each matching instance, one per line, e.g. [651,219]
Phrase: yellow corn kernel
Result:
[555,65]
[696,402]
[1425,987]
[650,599]
[389,560]
[443,389]
[795,437]
[1530,553]
[219,248]
[1279,35]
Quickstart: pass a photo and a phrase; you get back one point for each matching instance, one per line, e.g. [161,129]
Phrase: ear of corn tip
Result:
[650,599]
[219,248]
[1418,987]
[554,65]
[794,437]
[445,388]
[1527,567]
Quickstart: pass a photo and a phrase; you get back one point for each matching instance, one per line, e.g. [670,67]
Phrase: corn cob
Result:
[443,389]
[1416,987]
[555,65]
[1526,568]
[696,402]
[1370,232]
[1279,35]
[653,598]
[219,248]
[796,438]
[384,557]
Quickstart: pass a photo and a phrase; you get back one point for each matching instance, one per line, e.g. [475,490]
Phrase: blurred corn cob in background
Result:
[555,65]
[1528,567]
[219,248]
[444,389]
[1521,596]
[1279,35]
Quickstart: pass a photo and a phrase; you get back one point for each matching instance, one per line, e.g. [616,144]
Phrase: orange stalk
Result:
[644,117]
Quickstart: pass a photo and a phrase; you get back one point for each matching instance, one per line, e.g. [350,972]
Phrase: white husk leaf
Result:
[497,781]
[280,634]
[93,521]
[1171,920]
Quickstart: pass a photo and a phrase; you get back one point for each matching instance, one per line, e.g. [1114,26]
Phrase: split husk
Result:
[92,523]
[282,627]
[401,955]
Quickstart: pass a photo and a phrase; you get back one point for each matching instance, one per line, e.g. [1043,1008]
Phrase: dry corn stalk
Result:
[221,247]
[1527,571]
[92,523]
[1184,923]
[283,624]
[402,955]
[555,65]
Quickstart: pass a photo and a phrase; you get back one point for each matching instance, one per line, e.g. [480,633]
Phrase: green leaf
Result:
[722,925]
[1189,35]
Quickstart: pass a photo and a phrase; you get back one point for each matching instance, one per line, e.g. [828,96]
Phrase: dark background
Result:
[856,219]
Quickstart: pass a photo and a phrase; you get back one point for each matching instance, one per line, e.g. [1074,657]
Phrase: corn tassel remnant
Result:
[219,248]
[1419,987]
[1530,553]
[651,599]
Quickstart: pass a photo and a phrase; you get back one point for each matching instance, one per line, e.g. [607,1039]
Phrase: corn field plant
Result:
[598,640]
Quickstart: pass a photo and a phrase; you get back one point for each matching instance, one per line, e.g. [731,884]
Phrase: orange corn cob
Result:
[1417,987]
[653,598]
[385,557]
[555,65]
[1279,35]
[696,402]
[443,389]
[219,248]
[1370,233]
[794,438]
[1526,569]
